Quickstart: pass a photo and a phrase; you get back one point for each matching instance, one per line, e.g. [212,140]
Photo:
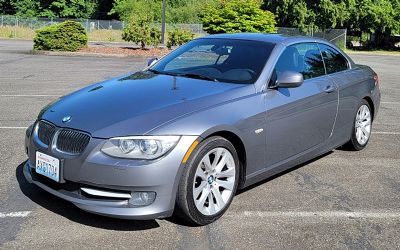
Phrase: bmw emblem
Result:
[210,179]
[66,119]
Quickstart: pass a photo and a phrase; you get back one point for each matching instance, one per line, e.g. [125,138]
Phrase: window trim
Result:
[255,81]
[345,59]
[270,86]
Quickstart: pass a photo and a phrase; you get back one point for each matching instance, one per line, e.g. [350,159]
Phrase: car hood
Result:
[137,103]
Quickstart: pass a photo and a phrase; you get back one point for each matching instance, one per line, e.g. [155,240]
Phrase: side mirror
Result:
[289,79]
[152,61]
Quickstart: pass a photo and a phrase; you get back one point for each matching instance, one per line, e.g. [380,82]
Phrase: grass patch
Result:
[13,32]
[106,35]
[25,33]
[103,35]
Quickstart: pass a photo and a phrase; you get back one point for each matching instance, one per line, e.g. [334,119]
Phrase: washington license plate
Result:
[48,166]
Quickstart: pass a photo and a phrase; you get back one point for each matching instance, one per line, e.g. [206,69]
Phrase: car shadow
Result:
[176,219]
[346,148]
[243,190]
[69,211]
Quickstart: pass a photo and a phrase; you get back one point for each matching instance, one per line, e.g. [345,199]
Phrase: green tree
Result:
[333,14]
[139,29]
[26,8]
[70,8]
[380,19]
[237,16]
[317,14]
[186,11]
[128,9]
[6,7]
[58,8]
[291,13]
[178,11]
[103,8]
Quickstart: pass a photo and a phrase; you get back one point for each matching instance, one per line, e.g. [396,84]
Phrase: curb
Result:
[361,53]
[85,54]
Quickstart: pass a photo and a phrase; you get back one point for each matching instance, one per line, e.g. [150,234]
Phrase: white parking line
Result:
[13,127]
[319,214]
[20,214]
[386,133]
[390,102]
[29,95]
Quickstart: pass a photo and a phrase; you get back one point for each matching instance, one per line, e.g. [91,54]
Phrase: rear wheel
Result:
[362,127]
[209,181]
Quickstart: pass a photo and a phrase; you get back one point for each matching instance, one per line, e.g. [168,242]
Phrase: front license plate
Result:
[48,166]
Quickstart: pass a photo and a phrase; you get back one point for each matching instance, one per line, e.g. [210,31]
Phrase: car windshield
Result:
[222,60]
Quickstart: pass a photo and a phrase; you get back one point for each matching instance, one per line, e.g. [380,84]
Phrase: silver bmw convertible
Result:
[216,115]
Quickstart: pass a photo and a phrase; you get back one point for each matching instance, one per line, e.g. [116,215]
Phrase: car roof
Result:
[268,38]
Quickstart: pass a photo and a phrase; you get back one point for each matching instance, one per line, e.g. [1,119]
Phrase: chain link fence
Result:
[89,24]
[337,36]
[39,22]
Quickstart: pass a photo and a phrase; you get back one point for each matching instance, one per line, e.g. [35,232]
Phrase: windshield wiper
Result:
[189,75]
[196,76]
[162,72]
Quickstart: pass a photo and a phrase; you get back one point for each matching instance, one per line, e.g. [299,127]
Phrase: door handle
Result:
[330,88]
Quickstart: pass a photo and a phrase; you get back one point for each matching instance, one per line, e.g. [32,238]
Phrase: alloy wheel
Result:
[214,181]
[363,124]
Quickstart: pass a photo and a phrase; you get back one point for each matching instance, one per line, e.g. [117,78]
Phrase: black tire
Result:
[185,204]
[353,144]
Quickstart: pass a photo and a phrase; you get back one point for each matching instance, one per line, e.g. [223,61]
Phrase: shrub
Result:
[178,37]
[140,31]
[65,36]
[237,16]
[141,34]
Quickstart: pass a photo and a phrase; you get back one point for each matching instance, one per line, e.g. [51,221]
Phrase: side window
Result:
[304,58]
[334,61]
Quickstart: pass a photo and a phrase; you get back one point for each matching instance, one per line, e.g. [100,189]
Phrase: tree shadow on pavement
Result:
[69,211]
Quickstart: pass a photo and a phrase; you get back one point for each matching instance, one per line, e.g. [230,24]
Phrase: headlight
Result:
[140,147]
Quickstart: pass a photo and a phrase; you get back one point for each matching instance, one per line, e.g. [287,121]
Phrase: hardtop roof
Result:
[264,37]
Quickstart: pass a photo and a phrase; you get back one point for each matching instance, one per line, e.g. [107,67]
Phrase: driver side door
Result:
[299,119]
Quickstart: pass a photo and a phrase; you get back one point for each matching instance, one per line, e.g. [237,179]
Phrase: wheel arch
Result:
[371,105]
[239,145]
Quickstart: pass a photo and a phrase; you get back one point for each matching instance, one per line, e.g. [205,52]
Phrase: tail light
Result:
[376,78]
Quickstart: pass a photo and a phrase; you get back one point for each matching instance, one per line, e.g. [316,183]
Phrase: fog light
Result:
[141,199]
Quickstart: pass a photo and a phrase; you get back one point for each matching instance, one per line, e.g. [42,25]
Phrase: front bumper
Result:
[101,172]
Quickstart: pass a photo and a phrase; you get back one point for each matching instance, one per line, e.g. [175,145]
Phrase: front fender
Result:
[244,117]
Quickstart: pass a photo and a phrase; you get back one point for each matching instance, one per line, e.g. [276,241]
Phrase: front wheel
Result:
[209,181]
[362,127]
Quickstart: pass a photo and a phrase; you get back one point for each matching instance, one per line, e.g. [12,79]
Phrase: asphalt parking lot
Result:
[344,200]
